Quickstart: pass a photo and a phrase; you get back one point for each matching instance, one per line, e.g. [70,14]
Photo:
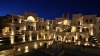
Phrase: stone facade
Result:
[82,29]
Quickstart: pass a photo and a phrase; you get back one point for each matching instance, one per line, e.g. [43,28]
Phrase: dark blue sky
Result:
[49,9]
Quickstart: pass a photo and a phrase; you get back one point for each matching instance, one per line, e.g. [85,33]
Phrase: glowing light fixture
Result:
[26,49]
[35,45]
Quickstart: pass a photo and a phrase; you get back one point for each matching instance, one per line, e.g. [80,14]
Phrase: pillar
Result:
[80,29]
[30,37]
[24,38]
[91,32]
[37,36]
[12,39]
[44,37]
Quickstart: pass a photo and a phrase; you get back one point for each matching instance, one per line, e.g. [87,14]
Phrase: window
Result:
[86,20]
[90,20]
[99,27]
[17,28]
[83,30]
[28,27]
[10,29]
[39,27]
[31,27]
[54,27]
[87,29]
[15,20]
[78,22]
[42,27]
[78,27]
[80,37]
[45,34]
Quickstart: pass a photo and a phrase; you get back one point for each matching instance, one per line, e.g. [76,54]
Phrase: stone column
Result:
[80,29]
[30,37]
[37,36]
[91,32]
[12,39]
[44,37]
[24,38]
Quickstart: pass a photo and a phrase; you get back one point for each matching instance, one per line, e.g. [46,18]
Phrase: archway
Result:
[30,19]
[59,38]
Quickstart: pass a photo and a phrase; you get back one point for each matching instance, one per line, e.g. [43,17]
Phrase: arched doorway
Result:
[59,38]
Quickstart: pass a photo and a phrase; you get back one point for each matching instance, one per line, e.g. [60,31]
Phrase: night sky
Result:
[49,9]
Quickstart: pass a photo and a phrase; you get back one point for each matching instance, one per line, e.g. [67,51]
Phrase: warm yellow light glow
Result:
[48,22]
[30,38]
[69,40]
[91,25]
[66,41]
[44,37]
[12,32]
[26,49]
[24,28]
[79,42]
[85,44]
[2,54]
[59,22]
[73,29]
[47,27]
[65,22]
[12,40]
[93,45]
[23,38]
[50,37]
[87,39]
[0,44]
[31,19]
[64,38]
[54,36]
[80,22]
[37,36]
[20,20]
[61,39]
[91,32]
[49,42]
[19,49]
[5,30]
[58,29]
[41,43]
[35,45]
[1,40]
[80,29]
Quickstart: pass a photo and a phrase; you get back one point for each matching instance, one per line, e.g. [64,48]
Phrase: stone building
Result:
[81,30]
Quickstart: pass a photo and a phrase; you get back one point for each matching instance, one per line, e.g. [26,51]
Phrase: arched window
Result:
[31,19]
